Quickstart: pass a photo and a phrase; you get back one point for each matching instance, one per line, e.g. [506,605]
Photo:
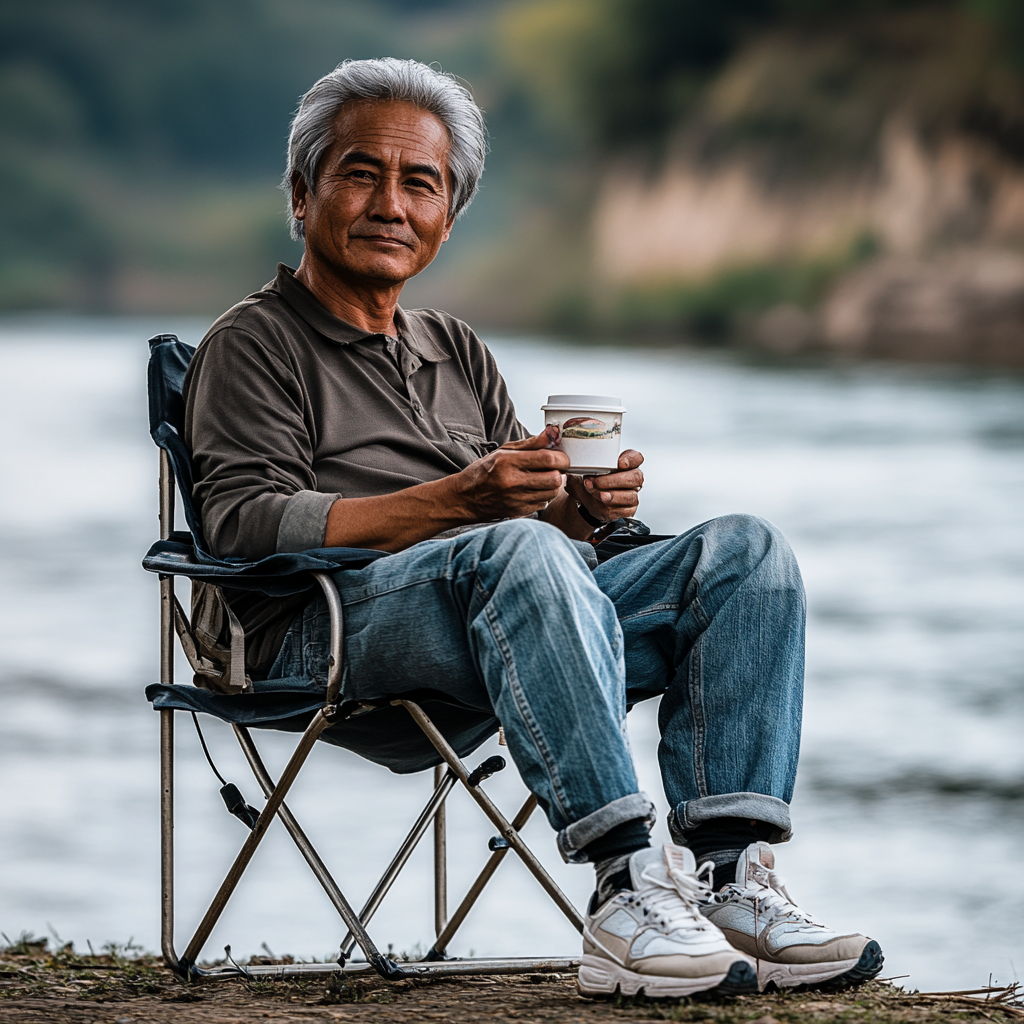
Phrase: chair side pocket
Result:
[219,642]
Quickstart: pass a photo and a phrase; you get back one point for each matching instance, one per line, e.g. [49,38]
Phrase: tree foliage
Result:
[623,72]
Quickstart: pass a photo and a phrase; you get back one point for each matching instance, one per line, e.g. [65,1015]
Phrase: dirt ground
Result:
[37,985]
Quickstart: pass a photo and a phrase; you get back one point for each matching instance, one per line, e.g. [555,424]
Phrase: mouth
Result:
[389,240]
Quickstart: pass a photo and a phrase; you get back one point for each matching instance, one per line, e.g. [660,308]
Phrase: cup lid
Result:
[584,403]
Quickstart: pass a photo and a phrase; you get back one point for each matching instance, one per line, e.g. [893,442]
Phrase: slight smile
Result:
[382,239]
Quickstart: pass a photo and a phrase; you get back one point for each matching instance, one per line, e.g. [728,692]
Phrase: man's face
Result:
[380,211]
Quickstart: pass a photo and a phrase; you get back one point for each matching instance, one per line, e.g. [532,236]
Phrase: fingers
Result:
[619,489]
[613,495]
[534,460]
[631,480]
[550,481]
[615,500]
[545,439]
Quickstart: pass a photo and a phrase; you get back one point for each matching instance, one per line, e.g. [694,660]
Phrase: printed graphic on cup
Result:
[588,429]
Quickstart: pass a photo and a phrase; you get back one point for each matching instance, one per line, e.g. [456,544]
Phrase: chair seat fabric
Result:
[387,736]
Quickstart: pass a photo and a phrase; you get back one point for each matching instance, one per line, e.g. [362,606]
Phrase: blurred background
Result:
[794,174]
[791,233]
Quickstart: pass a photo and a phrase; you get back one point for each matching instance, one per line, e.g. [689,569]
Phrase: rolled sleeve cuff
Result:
[769,809]
[304,523]
[573,838]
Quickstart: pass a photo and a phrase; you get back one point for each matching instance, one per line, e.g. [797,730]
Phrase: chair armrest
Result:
[278,575]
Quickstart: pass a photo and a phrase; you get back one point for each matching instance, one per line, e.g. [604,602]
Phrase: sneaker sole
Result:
[600,977]
[833,976]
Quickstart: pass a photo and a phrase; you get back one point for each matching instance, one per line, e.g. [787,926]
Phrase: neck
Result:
[368,305]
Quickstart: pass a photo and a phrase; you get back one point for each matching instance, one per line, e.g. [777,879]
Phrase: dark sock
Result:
[725,867]
[626,837]
[616,881]
[722,840]
[610,855]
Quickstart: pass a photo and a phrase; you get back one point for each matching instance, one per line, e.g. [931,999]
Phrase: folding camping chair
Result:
[181,553]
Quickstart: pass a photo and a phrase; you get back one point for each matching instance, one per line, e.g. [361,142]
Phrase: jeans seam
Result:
[523,707]
[662,606]
[695,686]
[406,585]
[698,609]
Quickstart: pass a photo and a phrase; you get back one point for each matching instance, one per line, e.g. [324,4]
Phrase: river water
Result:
[901,490]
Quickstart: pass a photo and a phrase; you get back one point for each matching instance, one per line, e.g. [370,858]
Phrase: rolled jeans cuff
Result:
[770,809]
[573,838]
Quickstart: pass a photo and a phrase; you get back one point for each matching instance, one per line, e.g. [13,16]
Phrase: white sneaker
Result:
[654,939]
[758,916]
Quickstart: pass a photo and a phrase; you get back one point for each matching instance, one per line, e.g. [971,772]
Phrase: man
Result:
[320,413]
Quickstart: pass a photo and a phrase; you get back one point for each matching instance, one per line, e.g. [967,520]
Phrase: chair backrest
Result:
[169,360]
[277,575]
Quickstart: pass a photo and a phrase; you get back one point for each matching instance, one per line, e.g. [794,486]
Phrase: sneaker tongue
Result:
[655,860]
[754,864]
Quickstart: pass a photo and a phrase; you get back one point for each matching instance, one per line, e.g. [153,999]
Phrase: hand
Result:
[615,495]
[520,478]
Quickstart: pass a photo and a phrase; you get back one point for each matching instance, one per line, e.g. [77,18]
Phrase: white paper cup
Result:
[589,431]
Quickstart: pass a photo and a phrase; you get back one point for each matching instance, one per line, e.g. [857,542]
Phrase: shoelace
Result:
[674,904]
[771,901]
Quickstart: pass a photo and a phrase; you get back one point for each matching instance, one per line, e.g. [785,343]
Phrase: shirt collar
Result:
[302,300]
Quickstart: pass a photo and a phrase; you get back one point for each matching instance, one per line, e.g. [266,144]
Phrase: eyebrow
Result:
[358,156]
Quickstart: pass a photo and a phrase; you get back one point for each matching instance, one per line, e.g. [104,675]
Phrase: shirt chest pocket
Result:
[469,440]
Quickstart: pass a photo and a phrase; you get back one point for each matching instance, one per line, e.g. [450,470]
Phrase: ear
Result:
[300,196]
[448,230]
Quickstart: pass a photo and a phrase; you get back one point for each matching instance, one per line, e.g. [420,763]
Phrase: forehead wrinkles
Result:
[417,134]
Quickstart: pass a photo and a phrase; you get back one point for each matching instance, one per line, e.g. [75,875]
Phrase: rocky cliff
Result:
[904,134]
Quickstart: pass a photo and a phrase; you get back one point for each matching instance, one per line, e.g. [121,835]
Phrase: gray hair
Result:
[388,78]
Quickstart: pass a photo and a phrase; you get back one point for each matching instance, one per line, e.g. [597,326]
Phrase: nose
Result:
[386,206]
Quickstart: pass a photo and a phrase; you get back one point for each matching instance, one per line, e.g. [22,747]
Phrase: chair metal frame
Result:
[435,963]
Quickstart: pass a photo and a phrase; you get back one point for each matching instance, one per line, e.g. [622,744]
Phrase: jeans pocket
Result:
[315,655]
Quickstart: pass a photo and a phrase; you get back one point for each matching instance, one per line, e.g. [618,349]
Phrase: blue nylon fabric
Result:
[277,575]
[387,736]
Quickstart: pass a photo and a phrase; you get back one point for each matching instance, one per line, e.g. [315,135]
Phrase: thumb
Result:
[547,438]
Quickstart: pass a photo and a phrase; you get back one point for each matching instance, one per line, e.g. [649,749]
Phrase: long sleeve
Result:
[247,425]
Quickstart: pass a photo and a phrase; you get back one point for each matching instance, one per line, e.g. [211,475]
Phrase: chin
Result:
[391,271]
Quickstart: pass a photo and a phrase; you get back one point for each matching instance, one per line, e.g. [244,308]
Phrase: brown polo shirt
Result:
[288,408]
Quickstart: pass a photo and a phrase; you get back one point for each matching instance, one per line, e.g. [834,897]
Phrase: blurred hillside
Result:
[789,173]
[797,173]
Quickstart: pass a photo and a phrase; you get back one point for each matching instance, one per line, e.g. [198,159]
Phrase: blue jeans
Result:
[509,623]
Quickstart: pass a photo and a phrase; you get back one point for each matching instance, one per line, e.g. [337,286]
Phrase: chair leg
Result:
[402,855]
[320,722]
[166,512]
[167,838]
[441,856]
[442,746]
[439,950]
[377,962]
[445,779]
[357,933]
